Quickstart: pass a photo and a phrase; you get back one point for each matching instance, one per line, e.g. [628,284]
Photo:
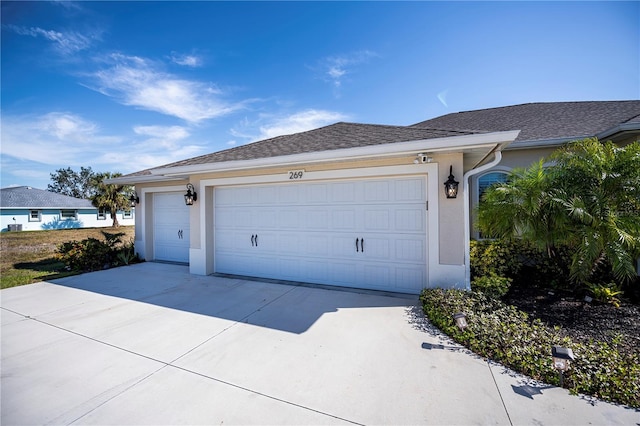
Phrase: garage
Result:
[170,227]
[364,233]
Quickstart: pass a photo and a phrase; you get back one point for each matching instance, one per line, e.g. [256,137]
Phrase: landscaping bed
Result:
[578,319]
[603,338]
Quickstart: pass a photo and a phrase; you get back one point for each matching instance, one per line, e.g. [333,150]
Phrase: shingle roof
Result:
[542,121]
[335,136]
[28,197]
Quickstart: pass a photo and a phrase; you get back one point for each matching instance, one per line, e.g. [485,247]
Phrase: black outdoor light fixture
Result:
[461,320]
[451,185]
[191,195]
[134,199]
[562,357]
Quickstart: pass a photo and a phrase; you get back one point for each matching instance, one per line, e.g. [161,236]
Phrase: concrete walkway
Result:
[151,344]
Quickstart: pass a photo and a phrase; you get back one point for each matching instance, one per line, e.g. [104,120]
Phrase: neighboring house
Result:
[28,209]
[353,205]
[543,128]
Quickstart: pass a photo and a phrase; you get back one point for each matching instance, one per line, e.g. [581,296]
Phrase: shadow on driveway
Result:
[237,299]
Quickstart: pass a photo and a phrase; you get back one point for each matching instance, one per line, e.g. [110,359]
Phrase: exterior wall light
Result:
[562,357]
[134,199]
[461,320]
[451,185]
[191,195]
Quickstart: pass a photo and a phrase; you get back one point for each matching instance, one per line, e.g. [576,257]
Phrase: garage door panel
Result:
[409,250]
[410,220]
[170,227]
[409,190]
[308,232]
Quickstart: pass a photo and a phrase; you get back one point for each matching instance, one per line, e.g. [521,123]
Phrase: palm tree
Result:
[598,188]
[587,199]
[110,197]
[523,208]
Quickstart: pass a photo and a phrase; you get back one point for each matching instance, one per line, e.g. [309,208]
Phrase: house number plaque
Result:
[296,174]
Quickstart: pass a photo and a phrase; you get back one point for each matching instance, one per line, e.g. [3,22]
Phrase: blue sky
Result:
[123,86]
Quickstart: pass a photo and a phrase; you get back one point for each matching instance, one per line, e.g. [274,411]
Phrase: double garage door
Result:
[355,233]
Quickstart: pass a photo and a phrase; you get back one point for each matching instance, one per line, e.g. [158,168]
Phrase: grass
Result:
[30,256]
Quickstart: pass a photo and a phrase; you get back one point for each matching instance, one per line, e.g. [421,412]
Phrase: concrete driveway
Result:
[151,344]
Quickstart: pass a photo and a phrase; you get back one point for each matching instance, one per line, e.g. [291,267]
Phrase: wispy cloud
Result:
[336,68]
[66,43]
[270,126]
[63,139]
[192,61]
[140,82]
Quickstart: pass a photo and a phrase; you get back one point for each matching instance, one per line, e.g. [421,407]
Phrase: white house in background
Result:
[349,204]
[24,208]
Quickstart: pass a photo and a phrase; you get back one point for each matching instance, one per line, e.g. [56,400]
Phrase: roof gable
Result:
[28,197]
[542,121]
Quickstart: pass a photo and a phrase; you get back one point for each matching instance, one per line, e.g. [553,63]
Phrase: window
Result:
[68,214]
[485,181]
[35,216]
[127,214]
[102,214]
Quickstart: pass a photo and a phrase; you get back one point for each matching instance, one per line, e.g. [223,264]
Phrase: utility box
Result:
[15,227]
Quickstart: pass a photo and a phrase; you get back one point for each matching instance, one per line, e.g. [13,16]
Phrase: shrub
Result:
[525,264]
[92,254]
[505,334]
[492,285]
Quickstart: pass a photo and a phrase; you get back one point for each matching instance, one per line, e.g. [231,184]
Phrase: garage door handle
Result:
[357,248]
[256,240]
[362,245]
[252,240]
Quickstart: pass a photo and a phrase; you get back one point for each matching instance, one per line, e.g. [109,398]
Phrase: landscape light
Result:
[461,320]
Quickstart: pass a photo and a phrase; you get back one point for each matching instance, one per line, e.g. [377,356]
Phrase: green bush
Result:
[525,264]
[503,333]
[492,285]
[92,254]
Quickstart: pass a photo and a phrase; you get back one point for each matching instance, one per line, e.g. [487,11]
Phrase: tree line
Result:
[90,185]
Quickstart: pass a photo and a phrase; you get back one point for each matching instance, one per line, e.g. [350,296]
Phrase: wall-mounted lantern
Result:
[451,185]
[461,320]
[133,200]
[191,195]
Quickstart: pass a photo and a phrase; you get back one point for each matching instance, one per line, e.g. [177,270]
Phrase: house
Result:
[354,205]
[544,127]
[24,208]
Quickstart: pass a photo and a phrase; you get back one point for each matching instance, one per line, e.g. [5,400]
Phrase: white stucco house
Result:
[354,205]
[25,208]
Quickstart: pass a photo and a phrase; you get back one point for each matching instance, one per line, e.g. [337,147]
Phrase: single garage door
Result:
[355,233]
[170,227]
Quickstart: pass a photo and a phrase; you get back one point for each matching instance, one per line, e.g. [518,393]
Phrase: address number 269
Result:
[296,174]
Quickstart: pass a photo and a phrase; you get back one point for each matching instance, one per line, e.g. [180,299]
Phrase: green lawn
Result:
[30,256]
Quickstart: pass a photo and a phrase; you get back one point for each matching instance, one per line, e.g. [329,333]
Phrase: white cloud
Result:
[268,126]
[192,61]
[335,68]
[66,43]
[62,139]
[53,138]
[136,81]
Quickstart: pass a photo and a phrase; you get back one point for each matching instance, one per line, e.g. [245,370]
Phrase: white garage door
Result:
[170,227]
[354,233]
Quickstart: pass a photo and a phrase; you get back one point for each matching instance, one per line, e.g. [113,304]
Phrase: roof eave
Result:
[489,141]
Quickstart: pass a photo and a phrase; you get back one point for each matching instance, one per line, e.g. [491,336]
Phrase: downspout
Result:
[467,215]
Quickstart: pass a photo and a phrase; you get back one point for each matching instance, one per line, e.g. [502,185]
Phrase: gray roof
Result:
[542,121]
[335,136]
[28,197]
[537,122]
